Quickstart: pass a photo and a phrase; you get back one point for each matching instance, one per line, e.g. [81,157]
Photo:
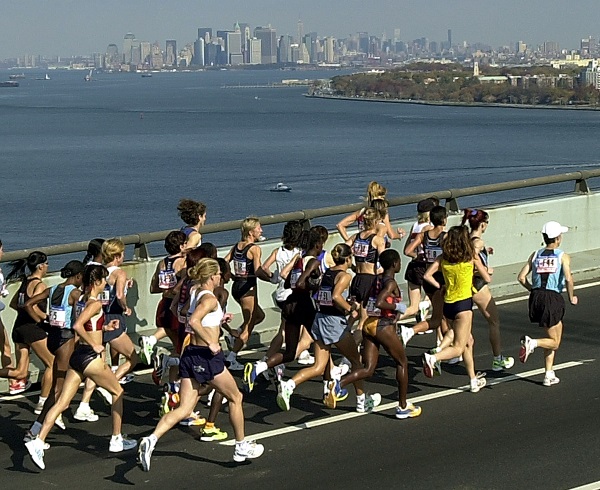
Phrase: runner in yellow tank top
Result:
[457,263]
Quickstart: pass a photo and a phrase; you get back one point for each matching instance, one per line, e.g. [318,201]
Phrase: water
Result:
[114,156]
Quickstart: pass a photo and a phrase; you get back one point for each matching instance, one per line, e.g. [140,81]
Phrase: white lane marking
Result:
[392,405]
[589,486]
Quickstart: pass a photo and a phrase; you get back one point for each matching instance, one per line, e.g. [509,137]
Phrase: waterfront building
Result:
[363,42]
[284,53]
[233,46]
[268,44]
[112,55]
[591,75]
[136,52]
[171,52]
[246,34]
[255,51]
[329,50]
[127,44]
[145,51]
[198,58]
[205,33]
[156,58]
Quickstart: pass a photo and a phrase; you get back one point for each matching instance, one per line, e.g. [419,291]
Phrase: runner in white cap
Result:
[550,269]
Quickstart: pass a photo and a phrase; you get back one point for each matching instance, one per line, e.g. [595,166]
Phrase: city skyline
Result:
[68,28]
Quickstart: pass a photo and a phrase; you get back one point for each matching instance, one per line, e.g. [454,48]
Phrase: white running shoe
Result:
[30,437]
[128,378]
[121,443]
[247,450]
[305,358]
[35,447]
[526,348]
[550,379]
[146,349]
[454,360]
[477,383]
[147,446]
[59,422]
[369,403]
[106,396]
[85,415]
[284,394]
[406,333]
[39,407]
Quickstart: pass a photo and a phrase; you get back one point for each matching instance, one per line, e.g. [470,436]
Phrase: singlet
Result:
[298,269]
[167,277]
[325,294]
[94,324]
[243,266]
[432,247]
[61,312]
[283,258]
[372,310]
[23,317]
[210,320]
[363,249]
[416,229]
[108,297]
[547,271]
[188,230]
[458,279]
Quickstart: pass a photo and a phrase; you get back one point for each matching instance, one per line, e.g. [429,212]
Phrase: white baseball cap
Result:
[552,229]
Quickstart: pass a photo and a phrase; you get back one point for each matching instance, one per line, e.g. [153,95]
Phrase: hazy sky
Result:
[68,27]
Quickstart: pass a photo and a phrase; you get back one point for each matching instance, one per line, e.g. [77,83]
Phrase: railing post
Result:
[581,186]
[452,205]
[140,252]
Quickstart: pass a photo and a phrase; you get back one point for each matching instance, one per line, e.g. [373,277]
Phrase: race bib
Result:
[167,279]
[79,308]
[324,297]
[104,296]
[547,264]
[180,318]
[360,249]
[432,253]
[57,317]
[239,268]
[294,276]
[372,310]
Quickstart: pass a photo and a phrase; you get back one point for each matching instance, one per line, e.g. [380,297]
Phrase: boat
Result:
[17,76]
[88,77]
[281,187]
[47,77]
[9,83]
[146,75]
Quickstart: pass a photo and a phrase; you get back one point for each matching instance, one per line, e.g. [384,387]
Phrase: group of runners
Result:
[347,297]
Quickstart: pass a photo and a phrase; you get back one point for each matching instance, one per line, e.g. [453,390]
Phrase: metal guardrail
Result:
[141,240]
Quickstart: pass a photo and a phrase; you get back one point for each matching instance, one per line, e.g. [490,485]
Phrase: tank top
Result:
[188,230]
[210,320]
[458,279]
[325,294]
[167,277]
[61,311]
[94,324]
[547,271]
[283,258]
[432,247]
[108,297]
[417,228]
[243,267]
[298,269]
[363,249]
[23,317]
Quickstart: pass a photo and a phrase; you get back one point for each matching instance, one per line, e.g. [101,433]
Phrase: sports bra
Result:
[210,320]
[363,249]
[94,324]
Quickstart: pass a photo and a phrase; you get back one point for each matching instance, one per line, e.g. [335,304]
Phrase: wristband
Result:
[400,307]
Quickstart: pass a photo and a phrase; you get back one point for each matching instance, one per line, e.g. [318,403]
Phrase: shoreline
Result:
[455,104]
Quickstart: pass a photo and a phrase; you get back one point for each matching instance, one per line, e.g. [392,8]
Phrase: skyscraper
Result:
[171,52]
[255,51]
[268,43]
[205,33]
[198,59]
[449,38]
[329,50]
[127,43]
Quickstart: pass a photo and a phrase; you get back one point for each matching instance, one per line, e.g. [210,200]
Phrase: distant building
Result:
[171,52]
[205,33]
[329,50]
[268,44]
[127,44]
[233,47]
[156,57]
[112,55]
[255,51]
[591,75]
[198,58]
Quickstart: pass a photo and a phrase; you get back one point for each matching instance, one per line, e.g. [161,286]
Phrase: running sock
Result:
[325,386]
[84,406]
[261,367]
[153,439]
[291,384]
[361,398]
[36,428]
[533,343]
[42,400]
[152,340]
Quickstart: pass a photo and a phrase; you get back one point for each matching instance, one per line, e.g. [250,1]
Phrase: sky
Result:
[72,27]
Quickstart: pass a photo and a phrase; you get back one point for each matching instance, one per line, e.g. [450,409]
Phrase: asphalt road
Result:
[515,433]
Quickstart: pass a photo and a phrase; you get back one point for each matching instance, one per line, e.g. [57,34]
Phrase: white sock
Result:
[152,340]
[153,438]
[424,304]
[325,387]
[261,367]
[42,400]
[550,374]
[361,398]
[116,438]
[291,384]
[239,443]
[411,332]
[533,343]
[84,406]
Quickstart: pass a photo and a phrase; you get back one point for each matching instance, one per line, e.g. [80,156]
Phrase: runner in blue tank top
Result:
[193,214]
[550,270]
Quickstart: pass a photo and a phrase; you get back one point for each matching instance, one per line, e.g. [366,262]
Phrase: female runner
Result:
[193,214]
[203,362]
[27,333]
[457,263]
